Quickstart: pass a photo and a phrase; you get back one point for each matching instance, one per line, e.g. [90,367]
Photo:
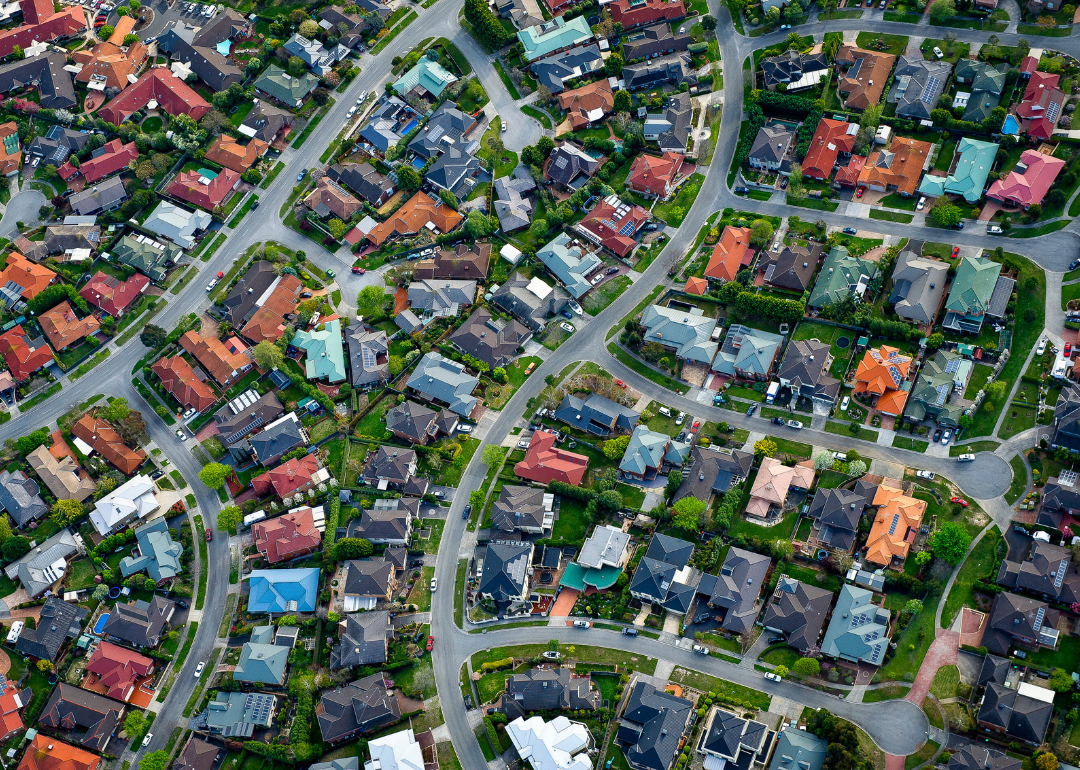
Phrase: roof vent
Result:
[805,264]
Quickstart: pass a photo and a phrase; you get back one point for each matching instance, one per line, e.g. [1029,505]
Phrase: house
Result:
[544,462]
[64,239]
[367,582]
[894,528]
[44,566]
[361,706]
[558,744]
[671,131]
[771,148]
[917,86]
[284,88]
[512,207]
[735,740]
[797,612]
[587,104]
[59,621]
[971,167]
[364,180]
[570,167]
[797,71]
[278,438]
[1029,181]
[455,171]
[20,497]
[293,477]
[737,588]
[650,453]
[199,48]
[654,41]
[607,547]
[841,276]
[464,262]
[274,310]
[47,72]
[158,84]
[369,359]
[419,213]
[442,297]
[674,68]
[103,439]
[287,537]
[111,295]
[262,662]
[506,573]
[978,291]
[446,128]
[596,414]
[117,670]
[747,353]
[48,753]
[553,36]
[831,138]
[1017,621]
[918,287]
[178,224]
[323,351]
[1047,571]
[836,514]
[543,689]
[247,412]
[228,152]
[10,153]
[975,757]
[662,574]
[179,379]
[101,197]
[1060,503]
[896,169]
[805,371]
[388,124]
[1066,420]
[40,23]
[244,297]
[768,495]
[132,500]
[529,300]
[634,14]
[790,269]
[58,142]
[863,75]
[63,476]
[283,590]
[197,755]
[427,79]
[489,339]
[397,751]
[138,623]
[1022,714]
[215,357]
[654,176]
[522,509]
[158,555]
[147,255]
[710,471]
[859,629]
[390,465]
[686,333]
[320,59]
[113,158]
[363,639]
[1041,106]
[236,714]
[90,718]
[199,189]
[25,278]
[984,82]
[946,373]
[882,374]
[440,380]
[651,728]
[554,71]
[412,422]
[613,225]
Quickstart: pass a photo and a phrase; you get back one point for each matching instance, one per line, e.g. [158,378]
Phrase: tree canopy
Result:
[214,475]
[951,542]
[687,513]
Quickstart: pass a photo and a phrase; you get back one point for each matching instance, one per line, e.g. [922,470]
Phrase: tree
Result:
[153,336]
[708,23]
[823,460]
[135,726]
[780,670]
[805,667]
[614,65]
[942,9]
[157,760]
[1047,761]
[946,213]
[615,448]
[45,665]
[66,511]
[268,356]
[309,28]
[622,101]
[17,51]
[687,513]
[856,468]
[913,607]
[674,479]
[371,298]
[609,501]
[950,542]
[24,445]
[607,478]
[1061,680]
[336,228]
[760,232]
[14,547]
[493,455]
[214,475]
[352,548]
[130,39]
[765,447]
[479,225]
[117,410]
[104,33]
[229,518]
[923,557]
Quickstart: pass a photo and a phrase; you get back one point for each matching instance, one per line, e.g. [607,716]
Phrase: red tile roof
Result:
[227,152]
[632,13]
[268,322]
[112,295]
[655,176]
[696,286]
[23,355]
[588,104]
[116,157]
[729,254]
[1041,105]
[172,94]
[287,537]
[42,24]
[848,175]
[48,753]
[103,439]
[188,186]
[30,275]
[1030,185]
[544,462]
[831,138]
[287,478]
[64,328]
[179,378]
[214,355]
[118,669]
[614,226]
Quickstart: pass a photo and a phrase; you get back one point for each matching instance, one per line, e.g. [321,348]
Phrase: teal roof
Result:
[283,590]
[973,286]
[840,276]
[553,35]
[429,75]
[261,662]
[973,164]
[798,750]
[325,353]
[858,629]
[159,554]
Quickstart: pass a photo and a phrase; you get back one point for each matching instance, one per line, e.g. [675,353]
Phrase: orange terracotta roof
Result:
[48,753]
[728,254]
[111,62]
[900,166]
[288,536]
[172,94]
[656,176]
[179,378]
[103,439]
[415,215]
[898,517]
[696,286]
[864,82]
[881,373]
[32,277]
[830,139]
[227,152]
[221,363]
[268,322]
[544,462]
[64,328]
[587,104]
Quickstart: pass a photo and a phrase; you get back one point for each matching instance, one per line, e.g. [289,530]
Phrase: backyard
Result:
[839,340]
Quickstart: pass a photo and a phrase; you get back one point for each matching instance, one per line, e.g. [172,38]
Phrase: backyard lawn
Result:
[674,211]
[826,334]
[572,521]
[373,423]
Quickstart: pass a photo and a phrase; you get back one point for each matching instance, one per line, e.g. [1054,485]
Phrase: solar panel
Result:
[1052,111]
[1039,618]
[895,374]
[368,358]
[929,89]
[627,229]
[895,521]
[952,365]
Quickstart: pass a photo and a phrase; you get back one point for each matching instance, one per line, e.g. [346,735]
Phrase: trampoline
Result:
[843,342]
[101,623]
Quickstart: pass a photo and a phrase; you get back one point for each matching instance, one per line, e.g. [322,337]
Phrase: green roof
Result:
[325,354]
[279,84]
[429,75]
[972,286]
[973,164]
[840,276]
[553,35]
[936,382]
[147,255]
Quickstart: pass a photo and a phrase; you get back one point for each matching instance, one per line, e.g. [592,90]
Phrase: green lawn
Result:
[946,682]
[897,201]
[896,44]
[1017,419]
[721,687]
[844,429]
[81,574]
[602,296]
[674,211]
[431,545]
[645,370]
[749,529]
[1065,656]
[906,442]
[891,216]
[572,522]
[888,692]
[792,448]
[780,655]
[583,653]
[373,423]
[1019,480]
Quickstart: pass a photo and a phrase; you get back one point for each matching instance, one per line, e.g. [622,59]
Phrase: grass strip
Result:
[243,211]
[199,529]
[459,590]
[393,33]
[269,179]
[85,368]
[506,80]
[646,371]
[891,216]
[303,136]
[532,112]
[185,279]
[844,429]
[205,256]
[30,403]
[211,664]
[913,444]
[193,627]
[641,307]
[1019,480]
[136,328]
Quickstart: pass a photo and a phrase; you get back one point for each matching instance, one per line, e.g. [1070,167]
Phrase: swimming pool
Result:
[418,163]
[1010,126]
[412,124]
[101,623]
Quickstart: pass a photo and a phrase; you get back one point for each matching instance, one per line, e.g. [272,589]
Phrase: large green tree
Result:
[214,475]
[687,513]
[229,518]
[950,542]
[268,356]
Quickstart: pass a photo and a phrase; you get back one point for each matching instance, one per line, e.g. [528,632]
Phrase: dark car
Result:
[742,190]
[937,435]
[468,703]
[567,314]
[958,226]
[254,205]
[750,410]
[1074,264]
[702,617]
[783,182]
[611,271]
[775,639]
[181,604]
[157,474]
[850,230]
[778,420]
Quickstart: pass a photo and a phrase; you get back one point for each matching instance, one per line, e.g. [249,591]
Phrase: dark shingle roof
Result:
[140,623]
[92,718]
[360,706]
[653,725]
[59,621]
[798,611]
[363,640]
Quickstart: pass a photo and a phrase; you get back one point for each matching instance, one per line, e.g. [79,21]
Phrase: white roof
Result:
[367,224]
[135,499]
[397,751]
[539,288]
[82,446]
[556,745]
[1036,692]
[510,253]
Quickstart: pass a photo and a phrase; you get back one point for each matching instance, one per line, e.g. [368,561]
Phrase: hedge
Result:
[492,735]
[495,665]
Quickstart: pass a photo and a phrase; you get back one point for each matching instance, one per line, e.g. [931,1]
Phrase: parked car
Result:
[1074,264]
[966,458]
[701,650]
[210,286]
[959,501]
[181,604]
[922,203]
[611,271]
[551,655]
[750,410]
[742,190]
[955,252]
[776,639]
[794,424]
[773,677]
[1042,347]
[359,270]
[523,444]
[928,475]
[566,328]
[783,182]
[434,584]
[702,617]
[146,741]
[529,368]
[430,643]
[938,53]
[301,175]
[464,429]
[596,279]
[582,624]
[993,230]
[844,403]
[937,435]
[946,436]
[859,192]
[850,230]
[198,670]
[209,534]
[680,418]
[777,420]
[630,632]
[157,474]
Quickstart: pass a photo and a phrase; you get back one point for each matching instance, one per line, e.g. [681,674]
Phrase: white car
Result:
[210,286]
[181,435]
[199,669]
[701,650]
[146,741]
[582,624]
[434,584]
[794,424]
[773,677]
[523,445]
[566,327]
[922,203]
[993,230]
[1042,347]
[680,418]
[352,111]
[596,279]
[464,429]
[938,53]
[928,475]
[946,436]
[966,458]
[502,128]
[844,403]
[552,655]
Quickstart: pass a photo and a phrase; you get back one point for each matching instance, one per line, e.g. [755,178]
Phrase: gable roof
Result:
[544,462]
[974,160]
[419,212]
[897,520]
[858,629]
[159,554]
[104,440]
[798,611]
[92,718]
[140,623]
[440,379]
[830,139]
[841,276]
[729,254]
[918,286]
[286,537]
[31,278]
[40,569]
[47,71]
[134,499]
[689,332]
[1029,181]
[157,84]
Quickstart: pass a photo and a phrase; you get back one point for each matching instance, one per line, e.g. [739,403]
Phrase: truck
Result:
[772,392]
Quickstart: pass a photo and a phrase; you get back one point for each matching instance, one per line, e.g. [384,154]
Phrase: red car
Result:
[221,274]
[859,192]
[955,252]
[359,270]
[620,383]
[959,500]
[430,643]
[697,424]
[1068,349]
[209,534]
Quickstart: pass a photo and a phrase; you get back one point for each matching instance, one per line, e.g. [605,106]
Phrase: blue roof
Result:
[283,590]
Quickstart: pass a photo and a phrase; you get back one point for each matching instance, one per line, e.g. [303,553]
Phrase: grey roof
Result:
[918,286]
[648,452]
[1067,433]
[570,166]
[799,750]
[140,623]
[242,415]
[554,71]
[735,738]
[652,726]
[362,640]
[994,669]
[545,689]
[313,53]
[363,705]
[440,379]
[241,301]
[441,296]
[407,321]
[364,180]
[369,354]
[47,73]
[653,41]
[654,578]
[976,757]
[278,438]
[669,549]
[506,571]
[999,300]
[444,130]
[45,564]
[798,611]
[237,714]
[596,414]
[709,471]
[518,508]
[412,419]
[58,621]
[531,301]
[1020,716]
[100,197]
[454,171]
[772,143]
[917,86]
[512,208]
[368,577]
[605,546]
[738,586]
[674,68]
[159,554]
[1017,616]
[176,223]
[838,511]
[747,351]
[265,122]
[88,717]
[688,332]
[791,66]
[57,143]
[492,340]
[197,755]
[392,464]
[678,116]
[569,260]
[262,663]
[386,124]
[791,268]
[20,497]
[197,47]
[804,367]
[385,524]
[1047,570]
[858,630]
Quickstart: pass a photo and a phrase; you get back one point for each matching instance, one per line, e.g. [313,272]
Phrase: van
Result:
[993,230]
[664,411]
[630,632]
[772,392]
